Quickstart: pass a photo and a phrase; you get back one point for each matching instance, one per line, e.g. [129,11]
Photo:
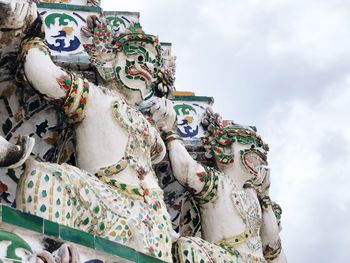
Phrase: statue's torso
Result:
[102,140]
[234,213]
[132,211]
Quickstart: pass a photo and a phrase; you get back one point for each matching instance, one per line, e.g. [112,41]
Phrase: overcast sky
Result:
[283,66]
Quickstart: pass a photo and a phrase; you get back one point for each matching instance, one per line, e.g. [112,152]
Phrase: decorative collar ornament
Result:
[218,136]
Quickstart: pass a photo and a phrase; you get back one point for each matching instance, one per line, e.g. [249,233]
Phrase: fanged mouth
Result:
[253,160]
[146,72]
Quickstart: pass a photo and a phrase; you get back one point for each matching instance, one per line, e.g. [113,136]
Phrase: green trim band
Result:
[37,224]
[70,7]
[194,98]
[121,13]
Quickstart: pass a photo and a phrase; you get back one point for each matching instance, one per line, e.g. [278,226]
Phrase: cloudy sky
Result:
[283,66]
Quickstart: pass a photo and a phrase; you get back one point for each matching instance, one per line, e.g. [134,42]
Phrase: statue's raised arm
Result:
[184,167]
[40,71]
[38,67]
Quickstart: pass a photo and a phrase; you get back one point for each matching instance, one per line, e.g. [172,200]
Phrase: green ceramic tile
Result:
[142,258]
[194,98]
[10,260]
[115,249]
[76,236]
[28,221]
[70,7]
[51,228]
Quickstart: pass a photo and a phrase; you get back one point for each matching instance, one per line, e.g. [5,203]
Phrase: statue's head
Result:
[234,145]
[130,59]
[137,63]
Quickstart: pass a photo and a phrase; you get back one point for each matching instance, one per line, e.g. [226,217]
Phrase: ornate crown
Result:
[219,135]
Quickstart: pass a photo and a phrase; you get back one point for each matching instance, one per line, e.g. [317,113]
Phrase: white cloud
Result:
[316,30]
[310,156]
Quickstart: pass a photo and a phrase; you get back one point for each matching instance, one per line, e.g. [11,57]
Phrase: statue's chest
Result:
[247,205]
[141,135]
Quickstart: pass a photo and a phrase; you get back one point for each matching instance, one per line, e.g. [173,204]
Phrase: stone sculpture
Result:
[114,193]
[238,219]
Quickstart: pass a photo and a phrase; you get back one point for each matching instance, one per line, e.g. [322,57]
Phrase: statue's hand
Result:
[165,82]
[262,182]
[91,23]
[17,14]
[163,114]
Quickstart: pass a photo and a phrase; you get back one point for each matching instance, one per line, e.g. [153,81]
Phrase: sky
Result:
[283,66]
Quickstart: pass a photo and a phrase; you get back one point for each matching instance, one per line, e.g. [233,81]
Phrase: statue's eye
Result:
[140,58]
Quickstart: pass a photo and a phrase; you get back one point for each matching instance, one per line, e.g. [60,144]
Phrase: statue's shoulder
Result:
[211,178]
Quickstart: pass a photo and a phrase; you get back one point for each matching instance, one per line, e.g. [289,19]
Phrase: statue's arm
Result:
[34,57]
[271,224]
[269,232]
[185,169]
[40,71]
[56,85]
